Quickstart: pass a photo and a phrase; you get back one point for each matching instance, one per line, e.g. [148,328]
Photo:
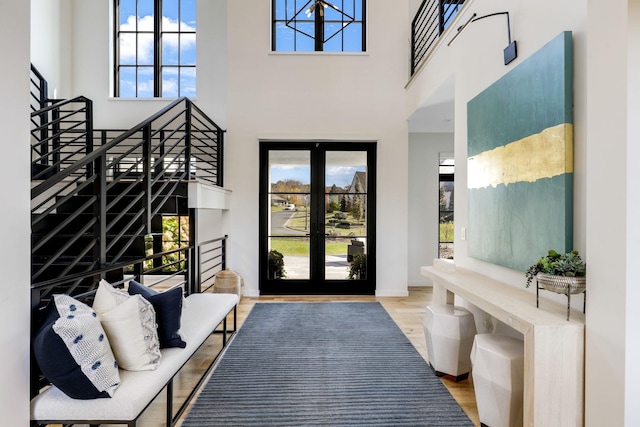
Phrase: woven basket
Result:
[562,284]
[227,282]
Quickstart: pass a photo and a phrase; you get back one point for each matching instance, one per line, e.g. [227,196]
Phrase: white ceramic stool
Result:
[498,379]
[449,332]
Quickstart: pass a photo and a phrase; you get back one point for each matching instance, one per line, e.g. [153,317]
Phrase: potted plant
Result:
[358,267]
[560,273]
[276,265]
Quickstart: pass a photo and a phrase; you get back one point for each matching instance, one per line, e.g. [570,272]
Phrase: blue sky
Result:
[338,175]
[287,38]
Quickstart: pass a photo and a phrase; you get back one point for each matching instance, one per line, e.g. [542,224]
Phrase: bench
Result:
[202,314]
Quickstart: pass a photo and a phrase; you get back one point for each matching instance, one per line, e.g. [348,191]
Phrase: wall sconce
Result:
[510,52]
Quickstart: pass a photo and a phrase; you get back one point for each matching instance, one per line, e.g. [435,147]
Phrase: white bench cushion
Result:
[200,315]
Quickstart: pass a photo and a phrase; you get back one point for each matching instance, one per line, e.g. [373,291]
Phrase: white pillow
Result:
[130,324]
[107,297]
[83,335]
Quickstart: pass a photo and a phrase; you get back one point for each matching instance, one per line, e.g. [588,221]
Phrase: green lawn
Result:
[446,231]
[300,247]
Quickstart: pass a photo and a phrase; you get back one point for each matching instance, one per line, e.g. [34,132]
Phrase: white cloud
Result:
[169,86]
[145,44]
[340,170]
[289,167]
[340,175]
[145,86]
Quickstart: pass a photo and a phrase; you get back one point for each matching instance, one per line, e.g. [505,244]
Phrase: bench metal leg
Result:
[170,403]
[224,332]
[235,319]
[225,328]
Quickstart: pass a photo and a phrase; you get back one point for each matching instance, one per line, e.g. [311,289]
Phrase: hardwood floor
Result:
[407,312]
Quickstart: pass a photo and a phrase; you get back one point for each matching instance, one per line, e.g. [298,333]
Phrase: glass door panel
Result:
[289,202]
[345,215]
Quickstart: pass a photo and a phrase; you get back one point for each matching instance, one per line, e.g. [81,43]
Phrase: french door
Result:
[317,217]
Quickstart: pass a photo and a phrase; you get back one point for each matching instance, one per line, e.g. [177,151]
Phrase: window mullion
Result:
[157,48]
[319,28]
[364,24]
[116,49]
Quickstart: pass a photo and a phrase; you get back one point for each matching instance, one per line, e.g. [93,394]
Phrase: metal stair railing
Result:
[39,90]
[38,101]
[140,169]
[60,134]
[211,259]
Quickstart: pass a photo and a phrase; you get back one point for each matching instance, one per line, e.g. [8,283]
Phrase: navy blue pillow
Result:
[168,307]
[58,365]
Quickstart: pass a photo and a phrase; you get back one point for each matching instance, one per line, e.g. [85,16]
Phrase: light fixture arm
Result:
[510,51]
[495,14]
[461,28]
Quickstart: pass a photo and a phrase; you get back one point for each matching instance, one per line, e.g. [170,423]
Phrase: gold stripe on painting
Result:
[543,155]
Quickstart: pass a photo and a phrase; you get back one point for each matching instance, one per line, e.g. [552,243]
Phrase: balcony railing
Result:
[432,18]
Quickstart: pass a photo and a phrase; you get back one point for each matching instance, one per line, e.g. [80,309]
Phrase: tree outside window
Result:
[175,235]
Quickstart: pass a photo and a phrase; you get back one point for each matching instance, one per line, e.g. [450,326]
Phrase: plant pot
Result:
[562,284]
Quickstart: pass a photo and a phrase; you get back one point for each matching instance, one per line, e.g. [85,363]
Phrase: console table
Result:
[553,346]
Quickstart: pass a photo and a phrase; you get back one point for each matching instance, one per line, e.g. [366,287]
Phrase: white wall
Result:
[424,156]
[319,96]
[51,44]
[209,224]
[632,321]
[14,187]
[211,59]
[612,347]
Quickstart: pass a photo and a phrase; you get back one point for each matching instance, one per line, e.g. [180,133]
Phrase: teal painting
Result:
[520,161]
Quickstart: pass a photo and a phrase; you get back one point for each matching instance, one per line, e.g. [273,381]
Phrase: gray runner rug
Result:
[323,364]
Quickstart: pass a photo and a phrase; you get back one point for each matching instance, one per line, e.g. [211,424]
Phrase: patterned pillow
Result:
[73,351]
[168,306]
[130,324]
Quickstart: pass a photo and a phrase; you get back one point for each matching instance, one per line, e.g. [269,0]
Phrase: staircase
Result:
[97,207]
[64,241]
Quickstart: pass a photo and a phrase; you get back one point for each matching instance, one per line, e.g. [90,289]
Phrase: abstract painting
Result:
[520,160]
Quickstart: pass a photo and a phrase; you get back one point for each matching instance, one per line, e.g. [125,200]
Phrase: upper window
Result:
[155,48]
[318,25]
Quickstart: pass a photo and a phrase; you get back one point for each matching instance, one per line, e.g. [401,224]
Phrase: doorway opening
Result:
[317,218]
